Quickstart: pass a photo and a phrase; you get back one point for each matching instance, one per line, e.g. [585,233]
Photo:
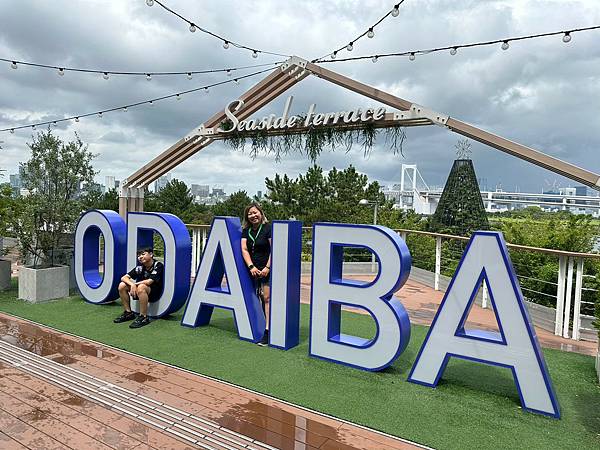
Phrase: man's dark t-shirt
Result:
[257,242]
[154,273]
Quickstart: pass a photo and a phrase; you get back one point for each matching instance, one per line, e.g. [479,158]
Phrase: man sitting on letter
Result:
[143,282]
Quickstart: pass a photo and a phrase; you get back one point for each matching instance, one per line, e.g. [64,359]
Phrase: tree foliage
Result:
[233,206]
[53,176]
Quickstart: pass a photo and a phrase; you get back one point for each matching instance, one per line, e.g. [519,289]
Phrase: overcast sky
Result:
[542,93]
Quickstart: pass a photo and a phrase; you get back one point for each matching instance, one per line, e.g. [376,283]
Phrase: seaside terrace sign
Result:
[486,259]
[286,121]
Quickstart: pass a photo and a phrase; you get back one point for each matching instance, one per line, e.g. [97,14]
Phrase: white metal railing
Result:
[570,274]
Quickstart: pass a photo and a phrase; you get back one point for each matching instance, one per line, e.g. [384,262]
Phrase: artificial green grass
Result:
[474,406]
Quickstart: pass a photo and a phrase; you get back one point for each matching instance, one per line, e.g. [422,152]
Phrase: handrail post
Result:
[438,262]
[194,250]
[560,295]
[203,240]
[484,296]
[577,305]
[568,295]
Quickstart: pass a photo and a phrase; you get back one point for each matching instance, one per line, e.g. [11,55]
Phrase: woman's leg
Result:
[266,294]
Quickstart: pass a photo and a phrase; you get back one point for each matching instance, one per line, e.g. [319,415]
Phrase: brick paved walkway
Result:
[58,391]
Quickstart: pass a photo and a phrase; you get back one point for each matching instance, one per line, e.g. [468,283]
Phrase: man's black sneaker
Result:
[140,321]
[125,317]
[265,339]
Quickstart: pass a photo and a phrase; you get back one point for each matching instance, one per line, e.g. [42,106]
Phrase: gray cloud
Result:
[541,93]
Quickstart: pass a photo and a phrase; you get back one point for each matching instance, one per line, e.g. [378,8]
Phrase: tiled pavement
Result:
[59,391]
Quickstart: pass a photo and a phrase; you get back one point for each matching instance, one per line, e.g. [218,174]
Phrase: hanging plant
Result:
[313,140]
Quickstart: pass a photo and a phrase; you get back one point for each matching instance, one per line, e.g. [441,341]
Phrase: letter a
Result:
[515,347]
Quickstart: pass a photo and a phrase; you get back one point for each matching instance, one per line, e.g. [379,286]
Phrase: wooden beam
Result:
[359,88]
[525,153]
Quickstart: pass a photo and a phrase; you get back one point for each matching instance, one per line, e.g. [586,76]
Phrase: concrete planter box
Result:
[39,285]
[5,272]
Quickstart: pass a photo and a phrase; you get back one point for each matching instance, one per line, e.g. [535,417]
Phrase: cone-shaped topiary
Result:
[461,209]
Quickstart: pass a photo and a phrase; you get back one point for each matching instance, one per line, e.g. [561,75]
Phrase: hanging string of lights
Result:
[14,64]
[226,42]
[125,108]
[370,33]
[453,49]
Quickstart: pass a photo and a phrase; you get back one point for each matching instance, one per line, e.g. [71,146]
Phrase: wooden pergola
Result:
[294,70]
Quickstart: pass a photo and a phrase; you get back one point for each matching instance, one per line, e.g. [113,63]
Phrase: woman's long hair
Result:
[245,223]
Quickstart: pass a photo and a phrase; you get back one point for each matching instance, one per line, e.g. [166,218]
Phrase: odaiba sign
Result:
[486,258]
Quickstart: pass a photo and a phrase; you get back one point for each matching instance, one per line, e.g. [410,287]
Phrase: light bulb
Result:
[54,123]
[255,54]
[374,58]
[148,76]
[105,75]
[370,33]
[13,65]
[505,45]
[61,71]
[125,109]
[350,47]
[236,81]
[228,72]
[12,131]
[453,51]
[412,56]
[567,37]
[151,103]
[333,55]
[150,2]
[206,90]
[395,11]
[189,75]
[33,127]
[100,115]
[225,45]
[76,119]
[192,28]
[178,97]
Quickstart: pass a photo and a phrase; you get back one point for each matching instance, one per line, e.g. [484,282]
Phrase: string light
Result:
[369,32]
[226,42]
[412,56]
[12,131]
[189,75]
[106,73]
[124,108]
[150,2]
[61,71]
[567,37]
[255,54]
[206,90]
[229,73]
[505,45]
[148,77]
[374,58]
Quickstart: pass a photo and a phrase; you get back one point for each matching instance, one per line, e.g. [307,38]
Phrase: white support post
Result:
[577,305]
[203,241]
[484,296]
[568,295]
[560,295]
[194,251]
[403,235]
[438,262]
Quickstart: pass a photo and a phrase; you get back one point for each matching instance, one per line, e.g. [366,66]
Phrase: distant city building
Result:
[218,192]
[162,182]
[259,195]
[109,183]
[15,184]
[581,191]
[200,190]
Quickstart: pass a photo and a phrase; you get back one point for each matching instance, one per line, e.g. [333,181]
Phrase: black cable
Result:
[204,30]
[130,105]
[412,53]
